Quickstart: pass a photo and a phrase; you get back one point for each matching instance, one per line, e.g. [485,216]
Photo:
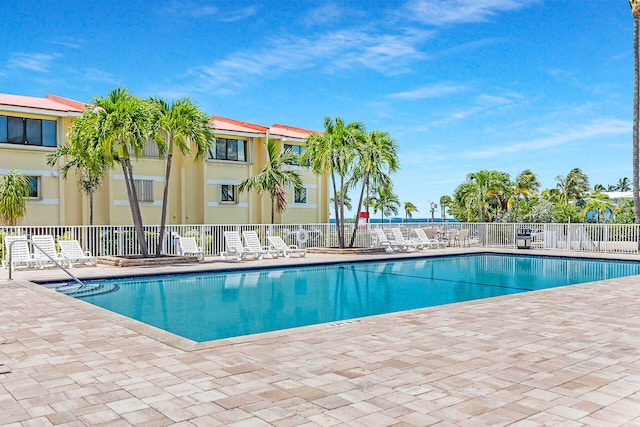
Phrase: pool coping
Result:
[187,345]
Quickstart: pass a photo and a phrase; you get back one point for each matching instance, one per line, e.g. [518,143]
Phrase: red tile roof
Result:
[222,123]
[291,132]
[50,103]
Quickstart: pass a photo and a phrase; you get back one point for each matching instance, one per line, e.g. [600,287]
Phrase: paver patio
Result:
[566,356]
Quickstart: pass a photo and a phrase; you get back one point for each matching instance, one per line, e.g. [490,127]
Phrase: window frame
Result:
[228,149]
[297,193]
[38,187]
[234,194]
[144,190]
[297,150]
[28,131]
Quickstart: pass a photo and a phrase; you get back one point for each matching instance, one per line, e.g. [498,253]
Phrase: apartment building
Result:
[202,192]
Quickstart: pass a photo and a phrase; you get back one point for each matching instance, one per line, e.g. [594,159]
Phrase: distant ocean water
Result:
[398,220]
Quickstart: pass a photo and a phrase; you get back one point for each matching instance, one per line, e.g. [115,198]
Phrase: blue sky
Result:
[460,85]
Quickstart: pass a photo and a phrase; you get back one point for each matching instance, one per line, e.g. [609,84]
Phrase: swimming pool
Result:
[210,306]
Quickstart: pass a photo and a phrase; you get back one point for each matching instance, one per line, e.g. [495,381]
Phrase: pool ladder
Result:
[80,284]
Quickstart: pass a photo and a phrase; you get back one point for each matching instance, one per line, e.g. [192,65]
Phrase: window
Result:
[228,193]
[229,149]
[34,187]
[19,130]
[144,189]
[297,150]
[300,195]
[151,149]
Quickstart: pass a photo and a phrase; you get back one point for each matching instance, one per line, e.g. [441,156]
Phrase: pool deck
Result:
[566,356]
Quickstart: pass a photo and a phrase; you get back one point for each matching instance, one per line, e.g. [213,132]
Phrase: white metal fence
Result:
[122,240]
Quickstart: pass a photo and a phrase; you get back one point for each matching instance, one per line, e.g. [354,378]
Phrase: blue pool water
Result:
[210,306]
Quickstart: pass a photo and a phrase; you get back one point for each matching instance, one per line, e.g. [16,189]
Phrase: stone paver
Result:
[564,356]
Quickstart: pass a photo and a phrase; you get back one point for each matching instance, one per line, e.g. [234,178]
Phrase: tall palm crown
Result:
[385,201]
[123,125]
[83,153]
[334,152]
[181,125]
[409,209]
[274,177]
[526,185]
[572,187]
[377,157]
[480,190]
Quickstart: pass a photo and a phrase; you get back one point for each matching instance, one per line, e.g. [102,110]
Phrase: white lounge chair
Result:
[384,242]
[72,252]
[252,241]
[426,241]
[286,250]
[45,252]
[399,238]
[187,246]
[20,253]
[235,248]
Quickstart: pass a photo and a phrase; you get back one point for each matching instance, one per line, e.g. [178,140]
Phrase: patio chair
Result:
[451,237]
[286,250]
[426,241]
[399,237]
[20,253]
[235,248]
[73,253]
[45,252]
[463,237]
[187,246]
[389,245]
[252,241]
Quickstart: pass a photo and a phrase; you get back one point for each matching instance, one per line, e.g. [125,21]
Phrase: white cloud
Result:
[443,12]
[195,10]
[597,128]
[40,62]
[69,42]
[431,91]
[343,49]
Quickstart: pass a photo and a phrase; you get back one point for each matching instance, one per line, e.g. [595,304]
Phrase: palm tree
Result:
[274,177]
[445,202]
[635,11]
[83,153]
[623,184]
[526,185]
[573,187]
[180,125]
[346,200]
[385,201]
[599,203]
[122,126]
[409,209]
[480,189]
[14,187]
[333,152]
[377,158]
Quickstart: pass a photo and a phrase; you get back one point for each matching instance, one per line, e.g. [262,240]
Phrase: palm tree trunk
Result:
[273,209]
[341,235]
[355,226]
[335,206]
[165,197]
[91,207]
[135,206]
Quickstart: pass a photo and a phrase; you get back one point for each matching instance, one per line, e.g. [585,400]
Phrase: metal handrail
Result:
[48,256]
